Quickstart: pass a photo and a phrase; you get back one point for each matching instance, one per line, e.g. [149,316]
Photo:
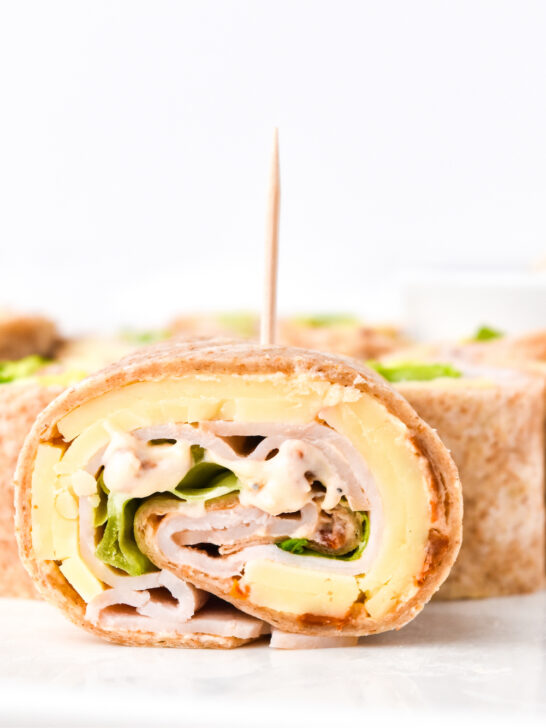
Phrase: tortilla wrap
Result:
[202,494]
[492,426]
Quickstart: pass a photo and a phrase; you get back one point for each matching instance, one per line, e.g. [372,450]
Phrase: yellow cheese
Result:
[266,409]
[80,452]
[401,474]
[204,408]
[65,536]
[53,535]
[43,500]
[292,392]
[55,522]
[299,591]
[102,407]
[174,410]
[95,437]
[133,418]
[83,581]
[256,400]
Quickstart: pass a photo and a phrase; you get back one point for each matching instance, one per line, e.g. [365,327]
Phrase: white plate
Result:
[470,657]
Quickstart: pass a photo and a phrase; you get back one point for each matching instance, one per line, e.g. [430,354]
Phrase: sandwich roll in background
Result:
[492,346]
[491,350]
[491,420]
[525,352]
[27,385]
[332,333]
[20,404]
[23,335]
[341,334]
[203,494]
[26,344]
[488,347]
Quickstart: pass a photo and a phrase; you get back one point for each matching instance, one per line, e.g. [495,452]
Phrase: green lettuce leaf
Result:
[357,553]
[100,515]
[414,371]
[486,333]
[199,477]
[294,545]
[10,371]
[198,453]
[222,483]
[301,546]
[117,546]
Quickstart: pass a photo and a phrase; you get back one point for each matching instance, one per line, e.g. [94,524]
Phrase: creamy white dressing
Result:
[285,478]
[282,484]
[138,469]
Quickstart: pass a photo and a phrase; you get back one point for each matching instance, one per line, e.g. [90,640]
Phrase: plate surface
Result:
[457,657]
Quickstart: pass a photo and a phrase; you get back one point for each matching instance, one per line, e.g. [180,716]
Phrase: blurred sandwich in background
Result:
[28,383]
[331,333]
[485,396]
[491,419]
[24,335]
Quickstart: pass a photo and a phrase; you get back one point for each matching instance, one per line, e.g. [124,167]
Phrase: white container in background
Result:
[445,304]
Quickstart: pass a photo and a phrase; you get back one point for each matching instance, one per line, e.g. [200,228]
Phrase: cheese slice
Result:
[258,400]
[283,396]
[55,537]
[65,535]
[43,500]
[83,581]
[401,472]
[299,591]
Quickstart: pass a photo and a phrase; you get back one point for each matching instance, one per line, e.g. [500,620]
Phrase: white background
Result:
[135,141]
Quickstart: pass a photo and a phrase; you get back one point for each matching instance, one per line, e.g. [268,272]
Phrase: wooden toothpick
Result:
[268,323]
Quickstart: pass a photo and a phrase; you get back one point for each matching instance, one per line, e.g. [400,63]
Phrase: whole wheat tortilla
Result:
[494,434]
[20,404]
[505,473]
[177,358]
